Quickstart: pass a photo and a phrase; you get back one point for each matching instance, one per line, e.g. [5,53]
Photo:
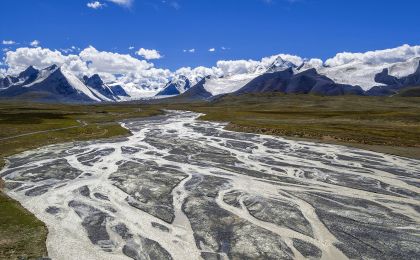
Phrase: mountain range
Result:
[176,86]
[286,77]
[55,84]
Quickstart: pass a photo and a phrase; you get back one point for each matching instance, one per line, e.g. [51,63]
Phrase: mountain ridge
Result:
[58,85]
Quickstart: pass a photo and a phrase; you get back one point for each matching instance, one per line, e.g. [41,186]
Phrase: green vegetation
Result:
[390,125]
[410,92]
[383,124]
[28,126]
[21,234]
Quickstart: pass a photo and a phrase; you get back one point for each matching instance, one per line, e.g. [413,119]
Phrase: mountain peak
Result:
[94,81]
[178,85]
[29,72]
[52,67]
[279,64]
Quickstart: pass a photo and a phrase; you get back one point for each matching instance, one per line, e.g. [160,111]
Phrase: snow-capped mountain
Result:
[26,76]
[280,64]
[306,82]
[211,86]
[383,72]
[176,86]
[393,85]
[232,83]
[7,81]
[55,84]
[306,79]
[198,91]
[223,85]
[118,90]
[363,73]
[99,88]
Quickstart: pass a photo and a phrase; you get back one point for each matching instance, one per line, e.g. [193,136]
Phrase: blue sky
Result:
[247,29]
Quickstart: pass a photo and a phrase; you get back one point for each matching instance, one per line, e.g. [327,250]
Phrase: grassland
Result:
[28,126]
[390,125]
[383,124]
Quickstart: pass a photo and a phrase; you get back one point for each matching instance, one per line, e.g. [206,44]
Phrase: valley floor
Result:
[29,126]
[387,125]
[383,124]
[181,188]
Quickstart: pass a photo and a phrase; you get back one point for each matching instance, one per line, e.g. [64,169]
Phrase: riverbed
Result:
[181,188]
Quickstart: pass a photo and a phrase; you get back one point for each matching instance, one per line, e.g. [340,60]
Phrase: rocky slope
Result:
[54,84]
[176,86]
[285,77]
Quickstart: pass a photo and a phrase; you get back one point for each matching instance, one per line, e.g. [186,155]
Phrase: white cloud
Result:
[212,50]
[95,5]
[234,67]
[195,74]
[141,75]
[110,62]
[21,58]
[131,48]
[112,67]
[8,42]
[375,57]
[149,54]
[35,43]
[190,50]
[125,3]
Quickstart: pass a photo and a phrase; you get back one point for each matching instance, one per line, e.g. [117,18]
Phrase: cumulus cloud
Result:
[393,55]
[212,50]
[149,54]
[22,58]
[8,42]
[234,67]
[197,73]
[95,5]
[137,74]
[112,62]
[112,67]
[35,43]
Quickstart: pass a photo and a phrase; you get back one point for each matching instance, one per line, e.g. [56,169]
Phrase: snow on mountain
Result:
[176,86]
[354,73]
[363,74]
[7,81]
[280,64]
[79,86]
[99,88]
[403,69]
[41,76]
[135,91]
[118,90]
[360,68]
[182,83]
[306,82]
[223,85]
[141,80]
[58,84]
[231,83]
